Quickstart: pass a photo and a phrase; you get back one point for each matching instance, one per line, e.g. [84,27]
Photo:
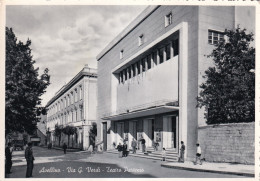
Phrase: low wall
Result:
[233,143]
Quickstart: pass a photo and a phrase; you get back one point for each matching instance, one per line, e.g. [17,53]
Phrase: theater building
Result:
[74,104]
[149,75]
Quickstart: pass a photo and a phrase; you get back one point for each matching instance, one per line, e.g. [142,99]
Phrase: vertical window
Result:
[155,57]
[168,52]
[129,72]
[121,54]
[168,19]
[76,114]
[138,68]
[176,47]
[161,51]
[133,68]
[140,40]
[149,64]
[214,37]
[80,92]
[125,74]
[143,65]
[121,76]
[72,98]
[76,95]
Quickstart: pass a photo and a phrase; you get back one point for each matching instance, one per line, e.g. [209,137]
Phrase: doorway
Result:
[120,132]
[148,131]
[170,132]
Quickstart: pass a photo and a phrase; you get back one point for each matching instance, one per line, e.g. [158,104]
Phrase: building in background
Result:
[75,105]
[149,75]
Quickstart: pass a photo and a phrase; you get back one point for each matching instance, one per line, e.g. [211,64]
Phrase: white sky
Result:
[65,38]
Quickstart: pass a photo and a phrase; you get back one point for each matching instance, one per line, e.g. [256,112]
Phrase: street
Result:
[54,164]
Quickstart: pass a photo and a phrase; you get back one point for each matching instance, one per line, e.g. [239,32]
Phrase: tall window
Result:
[168,52]
[143,65]
[176,47]
[80,92]
[149,64]
[214,37]
[138,67]
[76,114]
[76,95]
[168,19]
[161,51]
[72,98]
[129,72]
[133,68]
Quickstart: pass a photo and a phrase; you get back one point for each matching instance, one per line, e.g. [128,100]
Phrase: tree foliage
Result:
[69,130]
[228,93]
[58,131]
[24,86]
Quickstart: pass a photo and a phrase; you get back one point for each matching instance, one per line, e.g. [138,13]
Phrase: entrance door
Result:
[170,132]
[148,131]
[104,136]
[120,133]
[132,130]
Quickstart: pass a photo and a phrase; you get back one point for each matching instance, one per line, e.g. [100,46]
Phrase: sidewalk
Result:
[224,168]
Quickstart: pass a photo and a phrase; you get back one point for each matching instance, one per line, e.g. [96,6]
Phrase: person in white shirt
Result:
[198,154]
[163,154]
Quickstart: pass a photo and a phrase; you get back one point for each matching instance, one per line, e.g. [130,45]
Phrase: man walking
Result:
[64,148]
[29,159]
[133,145]
[8,159]
[181,158]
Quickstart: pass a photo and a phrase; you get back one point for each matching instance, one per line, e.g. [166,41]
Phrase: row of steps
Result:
[171,155]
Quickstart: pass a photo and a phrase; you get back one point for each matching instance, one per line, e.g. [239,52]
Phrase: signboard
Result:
[35,139]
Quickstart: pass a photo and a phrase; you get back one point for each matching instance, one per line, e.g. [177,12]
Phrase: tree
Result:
[58,131]
[69,130]
[228,93]
[24,86]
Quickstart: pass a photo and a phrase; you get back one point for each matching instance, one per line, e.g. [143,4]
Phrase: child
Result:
[198,154]
[163,154]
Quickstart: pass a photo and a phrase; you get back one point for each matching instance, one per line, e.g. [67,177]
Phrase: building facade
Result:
[75,105]
[149,75]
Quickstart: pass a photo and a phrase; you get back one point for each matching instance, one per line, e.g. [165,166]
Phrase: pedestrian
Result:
[143,144]
[155,145]
[8,159]
[198,155]
[119,148]
[29,159]
[64,148]
[124,149]
[181,158]
[163,154]
[133,145]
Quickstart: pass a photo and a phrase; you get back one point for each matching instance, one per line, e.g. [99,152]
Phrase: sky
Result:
[65,38]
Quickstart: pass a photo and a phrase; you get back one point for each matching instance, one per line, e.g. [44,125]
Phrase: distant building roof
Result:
[86,71]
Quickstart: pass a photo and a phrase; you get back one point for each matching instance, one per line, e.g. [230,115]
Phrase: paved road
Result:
[54,164]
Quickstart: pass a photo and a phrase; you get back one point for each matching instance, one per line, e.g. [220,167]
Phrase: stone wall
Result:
[233,143]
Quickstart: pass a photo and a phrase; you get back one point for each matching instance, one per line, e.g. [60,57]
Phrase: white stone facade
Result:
[75,105]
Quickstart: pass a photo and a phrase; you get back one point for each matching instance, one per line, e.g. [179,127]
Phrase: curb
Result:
[207,170]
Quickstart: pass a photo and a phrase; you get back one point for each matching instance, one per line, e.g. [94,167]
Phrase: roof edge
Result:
[143,15]
[86,71]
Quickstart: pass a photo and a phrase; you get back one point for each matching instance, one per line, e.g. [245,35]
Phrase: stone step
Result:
[169,158]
